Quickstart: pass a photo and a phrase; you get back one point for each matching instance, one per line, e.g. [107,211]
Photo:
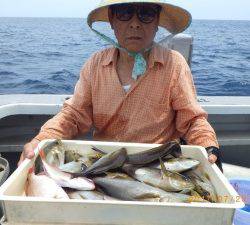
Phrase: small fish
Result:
[110,161]
[206,190]
[130,190]
[55,153]
[65,179]
[202,184]
[153,154]
[178,164]
[43,186]
[165,180]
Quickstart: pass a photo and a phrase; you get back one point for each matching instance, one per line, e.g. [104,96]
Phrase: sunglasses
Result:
[146,13]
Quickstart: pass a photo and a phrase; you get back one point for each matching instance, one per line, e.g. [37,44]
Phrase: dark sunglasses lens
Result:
[124,12]
[147,14]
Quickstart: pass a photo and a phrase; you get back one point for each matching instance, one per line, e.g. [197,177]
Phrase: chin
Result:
[134,48]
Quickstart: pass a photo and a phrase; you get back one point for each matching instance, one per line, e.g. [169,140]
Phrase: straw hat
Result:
[173,18]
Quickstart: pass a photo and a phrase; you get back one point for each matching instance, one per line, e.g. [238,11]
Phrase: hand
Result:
[214,156]
[28,150]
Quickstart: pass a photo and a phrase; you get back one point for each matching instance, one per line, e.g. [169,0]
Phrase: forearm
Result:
[67,124]
[201,133]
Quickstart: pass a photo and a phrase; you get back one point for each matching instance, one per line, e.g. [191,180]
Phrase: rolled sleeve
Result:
[75,116]
[191,119]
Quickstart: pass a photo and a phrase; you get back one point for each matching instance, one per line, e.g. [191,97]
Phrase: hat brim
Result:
[173,18]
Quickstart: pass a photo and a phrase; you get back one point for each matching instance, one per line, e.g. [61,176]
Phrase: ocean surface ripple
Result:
[45,55]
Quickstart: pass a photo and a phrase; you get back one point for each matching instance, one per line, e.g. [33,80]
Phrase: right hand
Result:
[28,150]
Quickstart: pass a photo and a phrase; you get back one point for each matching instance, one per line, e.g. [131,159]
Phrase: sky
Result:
[200,9]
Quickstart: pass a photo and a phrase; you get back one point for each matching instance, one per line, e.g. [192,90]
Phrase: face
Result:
[134,25]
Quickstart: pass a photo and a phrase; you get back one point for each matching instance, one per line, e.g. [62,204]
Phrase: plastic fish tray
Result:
[19,209]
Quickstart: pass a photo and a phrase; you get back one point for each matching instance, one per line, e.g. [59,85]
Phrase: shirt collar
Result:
[110,57]
[156,56]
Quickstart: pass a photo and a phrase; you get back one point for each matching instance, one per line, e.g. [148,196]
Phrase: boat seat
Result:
[182,43]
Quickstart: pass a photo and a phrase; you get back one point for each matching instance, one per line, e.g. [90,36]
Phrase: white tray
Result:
[27,210]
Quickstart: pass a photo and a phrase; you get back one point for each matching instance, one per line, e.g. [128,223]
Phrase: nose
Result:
[135,22]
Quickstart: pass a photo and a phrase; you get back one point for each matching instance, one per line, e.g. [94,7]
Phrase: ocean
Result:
[45,55]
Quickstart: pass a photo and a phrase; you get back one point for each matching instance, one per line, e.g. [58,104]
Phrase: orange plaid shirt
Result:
[160,106]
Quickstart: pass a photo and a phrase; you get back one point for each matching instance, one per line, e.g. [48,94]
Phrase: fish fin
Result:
[185,191]
[164,171]
[98,150]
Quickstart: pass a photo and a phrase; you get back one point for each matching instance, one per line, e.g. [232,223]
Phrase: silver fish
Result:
[43,186]
[55,153]
[167,181]
[110,161]
[179,164]
[65,179]
[135,191]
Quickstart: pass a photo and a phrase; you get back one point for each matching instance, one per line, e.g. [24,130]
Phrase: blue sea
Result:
[45,55]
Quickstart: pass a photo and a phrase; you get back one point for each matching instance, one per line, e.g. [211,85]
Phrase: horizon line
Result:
[60,17]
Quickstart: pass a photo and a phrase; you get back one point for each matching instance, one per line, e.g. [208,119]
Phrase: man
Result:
[135,91]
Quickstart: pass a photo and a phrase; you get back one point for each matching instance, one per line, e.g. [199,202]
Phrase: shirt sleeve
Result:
[75,116]
[191,119]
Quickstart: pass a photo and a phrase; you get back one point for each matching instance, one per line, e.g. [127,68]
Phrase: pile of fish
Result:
[160,174]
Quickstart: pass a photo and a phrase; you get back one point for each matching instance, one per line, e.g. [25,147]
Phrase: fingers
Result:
[28,151]
[212,158]
[20,160]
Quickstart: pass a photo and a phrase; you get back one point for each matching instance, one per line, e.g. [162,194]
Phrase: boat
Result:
[22,115]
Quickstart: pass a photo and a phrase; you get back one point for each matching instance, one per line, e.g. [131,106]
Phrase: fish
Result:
[43,186]
[167,181]
[130,190]
[55,153]
[65,179]
[153,154]
[206,190]
[203,185]
[90,195]
[178,165]
[110,161]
